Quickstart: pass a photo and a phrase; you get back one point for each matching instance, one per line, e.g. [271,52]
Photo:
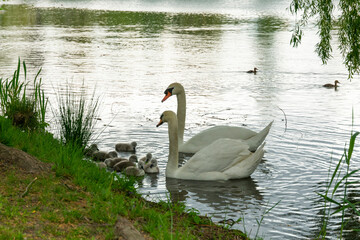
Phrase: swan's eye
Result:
[169,90]
[162,115]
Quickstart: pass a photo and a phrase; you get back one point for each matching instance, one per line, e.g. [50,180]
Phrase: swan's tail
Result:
[255,141]
[257,157]
[245,168]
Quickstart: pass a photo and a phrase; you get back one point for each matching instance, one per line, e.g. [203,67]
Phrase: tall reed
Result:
[26,110]
[336,191]
[76,117]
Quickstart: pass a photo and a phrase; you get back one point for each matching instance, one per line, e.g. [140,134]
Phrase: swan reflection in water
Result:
[215,193]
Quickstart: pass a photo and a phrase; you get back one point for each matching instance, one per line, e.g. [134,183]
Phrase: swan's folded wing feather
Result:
[217,156]
[243,169]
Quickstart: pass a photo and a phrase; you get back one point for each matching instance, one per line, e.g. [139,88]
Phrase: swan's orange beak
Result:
[168,94]
[160,122]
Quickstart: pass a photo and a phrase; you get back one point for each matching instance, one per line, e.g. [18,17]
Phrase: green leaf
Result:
[24,66]
[344,178]
[353,206]
[351,146]
[329,199]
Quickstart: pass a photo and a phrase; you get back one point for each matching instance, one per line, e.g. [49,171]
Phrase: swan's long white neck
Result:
[181,114]
[173,159]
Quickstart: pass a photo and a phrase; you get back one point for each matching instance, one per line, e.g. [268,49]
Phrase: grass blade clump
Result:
[76,118]
[25,110]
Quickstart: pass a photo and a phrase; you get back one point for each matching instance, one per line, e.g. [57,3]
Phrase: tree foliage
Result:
[347,26]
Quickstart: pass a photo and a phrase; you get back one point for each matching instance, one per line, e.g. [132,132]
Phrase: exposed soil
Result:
[11,157]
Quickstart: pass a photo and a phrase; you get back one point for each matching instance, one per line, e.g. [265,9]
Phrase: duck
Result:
[254,71]
[236,160]
[134,171]
[209,135]
[126,147]
[329,85]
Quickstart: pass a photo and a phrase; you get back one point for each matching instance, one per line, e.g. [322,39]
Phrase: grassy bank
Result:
[77,200]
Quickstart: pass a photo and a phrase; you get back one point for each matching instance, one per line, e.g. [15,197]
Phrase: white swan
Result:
[222,160]
[209,135]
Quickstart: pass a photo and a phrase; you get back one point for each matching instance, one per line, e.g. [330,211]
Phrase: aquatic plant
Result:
[25,110]
[259,222]
[76,118]
[337,193]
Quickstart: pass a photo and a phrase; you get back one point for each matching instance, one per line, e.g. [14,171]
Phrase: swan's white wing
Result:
[217,156]
[208,136]
[245,168]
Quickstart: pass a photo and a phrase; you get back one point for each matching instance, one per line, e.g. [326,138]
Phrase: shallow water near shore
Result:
[130,53]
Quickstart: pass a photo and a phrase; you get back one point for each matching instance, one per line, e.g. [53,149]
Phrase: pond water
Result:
[130,52]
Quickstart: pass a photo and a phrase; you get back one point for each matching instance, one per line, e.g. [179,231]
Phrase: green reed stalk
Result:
[341,184]
[259,222]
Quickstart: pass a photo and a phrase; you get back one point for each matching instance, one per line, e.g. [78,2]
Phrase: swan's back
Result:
[210,135]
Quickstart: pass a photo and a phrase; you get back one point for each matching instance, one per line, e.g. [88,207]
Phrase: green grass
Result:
[85,200]
[45,212]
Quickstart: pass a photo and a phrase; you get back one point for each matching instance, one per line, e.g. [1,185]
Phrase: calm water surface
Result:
[130,52]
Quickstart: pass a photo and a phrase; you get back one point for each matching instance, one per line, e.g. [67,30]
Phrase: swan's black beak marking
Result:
[168,93]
